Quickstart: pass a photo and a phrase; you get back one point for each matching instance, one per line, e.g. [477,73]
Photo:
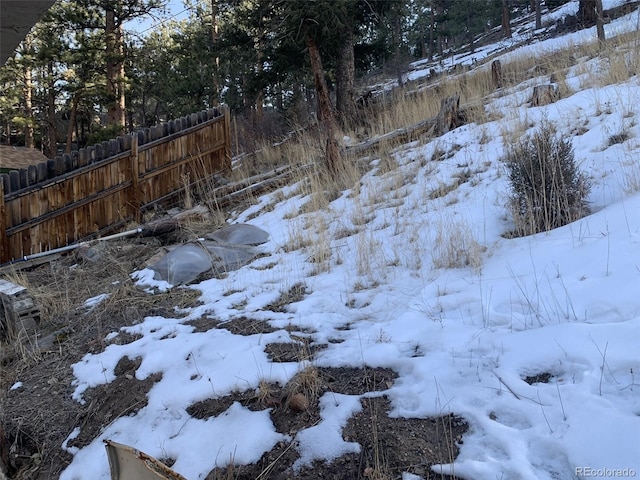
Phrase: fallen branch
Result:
[401,135]
[252,189]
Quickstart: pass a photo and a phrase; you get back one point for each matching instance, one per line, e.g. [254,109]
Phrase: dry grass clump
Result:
[454,246]
[305,384]
[302,148]
[547,189]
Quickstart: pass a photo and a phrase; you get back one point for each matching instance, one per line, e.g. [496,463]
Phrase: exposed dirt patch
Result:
[40,415]
[237,326]
[106,403]
[203,324]
[247,326]
[390,446]
[356,381]
[253,400]
[538,378]
[292,352]
[296,293]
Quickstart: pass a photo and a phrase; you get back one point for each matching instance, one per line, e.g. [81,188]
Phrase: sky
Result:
[175,10]
[563,302]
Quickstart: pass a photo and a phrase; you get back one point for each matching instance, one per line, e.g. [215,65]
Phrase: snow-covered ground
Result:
[526,41]
[461,340]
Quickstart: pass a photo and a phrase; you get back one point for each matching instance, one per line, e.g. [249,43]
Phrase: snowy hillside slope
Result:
[430,286]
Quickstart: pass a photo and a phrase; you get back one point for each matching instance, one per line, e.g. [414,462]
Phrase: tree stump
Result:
[543,95]
[496,73]
[448,117]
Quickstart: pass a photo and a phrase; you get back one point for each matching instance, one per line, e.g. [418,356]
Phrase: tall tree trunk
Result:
[538,10]
[52,124]
[325,109]
[345,79]
[600,21]
[506,19]
[259,98]
[72,122]
[259,107]
[246,101]
[587,13]
[114,70]
[111,66]
[469,33]
[121,107]
[214,39]
[432,32]
[396,50]
[28,107]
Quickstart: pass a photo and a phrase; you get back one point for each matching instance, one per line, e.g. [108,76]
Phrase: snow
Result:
[460,339]
[536,47]
[95,301]
[324,440]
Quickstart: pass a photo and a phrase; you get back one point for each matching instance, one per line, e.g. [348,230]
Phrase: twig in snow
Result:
[564,415]
[544,414]
[507,386]
[604,363]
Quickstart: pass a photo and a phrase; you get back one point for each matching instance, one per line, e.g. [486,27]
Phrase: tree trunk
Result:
[114,70]
[396,50]
[506,19]
[599,21]
[121,107]
[587,16]
[259,98]
[28,107]
[538,10]
[469,32]
[325,109]
[214,39]
[345,80]
[111,67]
[432,32]
[72,122]
[52,124]
[259,107]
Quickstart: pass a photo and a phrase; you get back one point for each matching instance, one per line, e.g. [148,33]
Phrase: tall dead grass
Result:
[405,108]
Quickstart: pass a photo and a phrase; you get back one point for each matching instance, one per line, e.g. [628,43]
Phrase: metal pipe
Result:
[77,245]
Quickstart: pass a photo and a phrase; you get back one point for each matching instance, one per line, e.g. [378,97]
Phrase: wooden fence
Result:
[104,187]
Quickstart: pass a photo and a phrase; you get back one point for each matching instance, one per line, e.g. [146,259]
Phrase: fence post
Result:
[135,176]
[227,139]
[4,244]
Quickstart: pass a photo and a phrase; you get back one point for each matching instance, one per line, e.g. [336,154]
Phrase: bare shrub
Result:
[547,189]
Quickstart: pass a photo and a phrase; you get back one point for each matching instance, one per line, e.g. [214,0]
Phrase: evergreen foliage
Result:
[250,55]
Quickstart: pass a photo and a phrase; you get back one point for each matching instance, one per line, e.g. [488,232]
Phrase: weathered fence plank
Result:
[90,193]
[4,245]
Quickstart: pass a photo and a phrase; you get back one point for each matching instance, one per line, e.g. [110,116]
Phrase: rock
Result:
[299,402]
